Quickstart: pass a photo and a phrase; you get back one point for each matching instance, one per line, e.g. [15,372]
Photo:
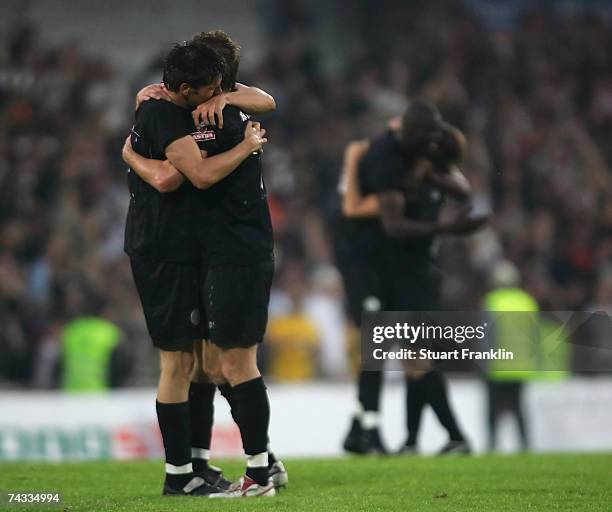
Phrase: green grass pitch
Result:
[487,483]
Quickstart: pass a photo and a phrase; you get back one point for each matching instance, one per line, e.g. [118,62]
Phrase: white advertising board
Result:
[308,419]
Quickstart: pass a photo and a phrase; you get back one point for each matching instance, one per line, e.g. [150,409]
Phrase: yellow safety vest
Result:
[88,343]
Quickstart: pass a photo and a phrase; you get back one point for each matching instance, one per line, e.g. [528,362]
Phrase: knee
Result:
[230,369]
[178,366]
[238,365]
[199,375]
[214,372]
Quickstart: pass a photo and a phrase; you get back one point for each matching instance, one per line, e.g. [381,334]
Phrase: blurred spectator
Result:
[538,342]
[292,338]
[92,359]
[514,330]
[324,307]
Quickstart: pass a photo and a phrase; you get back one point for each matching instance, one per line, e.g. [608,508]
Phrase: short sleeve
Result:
[232,133]
[164,123]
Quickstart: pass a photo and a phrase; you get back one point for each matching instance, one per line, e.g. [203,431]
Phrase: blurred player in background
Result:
[236,243]
[393,193]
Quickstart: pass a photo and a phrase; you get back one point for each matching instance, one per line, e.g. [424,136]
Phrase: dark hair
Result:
[195,65]
[421,114]
[420,126]
[451,147]
[229,51]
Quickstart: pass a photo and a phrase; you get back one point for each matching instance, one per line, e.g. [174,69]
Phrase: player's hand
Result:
[127,150]
[211,111]
[152,92]
[465,225]
[254,136]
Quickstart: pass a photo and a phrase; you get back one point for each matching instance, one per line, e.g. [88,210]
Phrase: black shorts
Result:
[366,288]
[171,299]
[416,288]
[363,260]
[236,303]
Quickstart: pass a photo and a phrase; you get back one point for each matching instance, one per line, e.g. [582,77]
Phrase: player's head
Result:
[421,125]
[450,149]
[229,51]
[194,71]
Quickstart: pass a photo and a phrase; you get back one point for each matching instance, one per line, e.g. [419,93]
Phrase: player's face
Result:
[422,139]
[432,138]
[203,93]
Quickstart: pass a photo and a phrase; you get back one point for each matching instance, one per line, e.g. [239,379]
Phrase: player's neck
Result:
[177,99]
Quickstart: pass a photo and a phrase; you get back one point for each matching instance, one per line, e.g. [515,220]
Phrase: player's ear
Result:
[184,89]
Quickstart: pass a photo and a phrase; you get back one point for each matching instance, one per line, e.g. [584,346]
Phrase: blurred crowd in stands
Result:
[534,99]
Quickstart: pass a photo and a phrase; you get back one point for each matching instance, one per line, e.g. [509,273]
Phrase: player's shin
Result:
[175,429]
[201,406]
[252,401]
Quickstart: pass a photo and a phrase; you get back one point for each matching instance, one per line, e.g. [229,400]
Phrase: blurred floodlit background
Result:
[529,82]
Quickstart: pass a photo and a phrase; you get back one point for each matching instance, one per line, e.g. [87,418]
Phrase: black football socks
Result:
[226,392]
[415,402]
[174,424]
[251,401]
[369,386]
[434,384]
[201,409]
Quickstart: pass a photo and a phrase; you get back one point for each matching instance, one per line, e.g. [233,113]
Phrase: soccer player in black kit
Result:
[237,235]
[393,191]
[163,176]
[163,250]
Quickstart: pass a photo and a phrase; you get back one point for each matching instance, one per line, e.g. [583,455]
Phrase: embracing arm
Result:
[160,174]
[396,225]
[452,182]
[353,203]
[251,99]
[248,99]
[185,155]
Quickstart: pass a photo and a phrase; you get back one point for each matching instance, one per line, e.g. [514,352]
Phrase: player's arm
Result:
[248,99]
[160,174]
[252,100]
[396,225]
[452,182]
[185,155]
[354,204]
